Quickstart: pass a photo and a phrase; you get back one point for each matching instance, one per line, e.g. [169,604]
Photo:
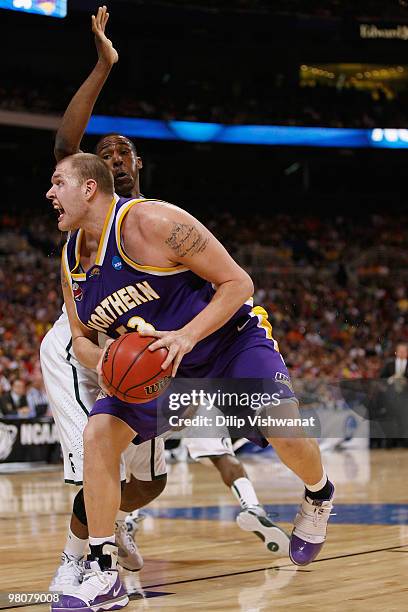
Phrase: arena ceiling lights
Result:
[269,135]
[369,77]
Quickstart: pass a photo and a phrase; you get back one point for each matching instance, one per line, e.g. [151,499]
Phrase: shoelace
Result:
[313,516]
[319,514]
[64,572]
[93,573]
[129,540]
[92,585]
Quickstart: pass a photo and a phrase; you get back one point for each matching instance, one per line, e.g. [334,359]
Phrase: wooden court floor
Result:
[196,558]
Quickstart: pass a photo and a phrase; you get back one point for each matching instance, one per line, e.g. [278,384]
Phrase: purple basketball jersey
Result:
[116,295]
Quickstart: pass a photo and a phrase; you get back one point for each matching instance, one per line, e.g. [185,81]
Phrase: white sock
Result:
[74,546]
[99,541]
[121,515]
[244,491]
[319,485]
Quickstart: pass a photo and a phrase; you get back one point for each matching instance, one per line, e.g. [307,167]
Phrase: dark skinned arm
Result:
[78,113]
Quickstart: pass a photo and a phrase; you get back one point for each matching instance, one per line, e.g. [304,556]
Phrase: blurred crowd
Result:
[29,304]
[334,289]
[266,101]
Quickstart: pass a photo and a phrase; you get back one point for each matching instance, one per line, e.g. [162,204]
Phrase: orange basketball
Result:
[133,373]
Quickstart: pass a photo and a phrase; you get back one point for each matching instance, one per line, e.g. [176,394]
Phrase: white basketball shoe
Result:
[100,590]
[133,521]
[255,519]
[68,575]
[129,556]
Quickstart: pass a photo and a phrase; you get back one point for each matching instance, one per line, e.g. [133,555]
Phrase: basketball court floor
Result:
[196,557]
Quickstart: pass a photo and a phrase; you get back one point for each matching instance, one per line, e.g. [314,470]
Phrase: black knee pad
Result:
[79,507]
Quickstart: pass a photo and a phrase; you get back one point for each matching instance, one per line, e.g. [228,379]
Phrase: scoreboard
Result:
[51,8]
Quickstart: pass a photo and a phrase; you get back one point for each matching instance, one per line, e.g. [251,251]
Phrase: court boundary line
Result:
[286,567]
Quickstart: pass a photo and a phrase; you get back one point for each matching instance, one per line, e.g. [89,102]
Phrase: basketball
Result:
[133,373]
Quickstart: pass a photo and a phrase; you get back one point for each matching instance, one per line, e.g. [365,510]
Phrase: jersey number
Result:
[136,324]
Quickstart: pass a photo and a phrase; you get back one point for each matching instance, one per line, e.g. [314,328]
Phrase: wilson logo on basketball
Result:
[158,386]
[132,372]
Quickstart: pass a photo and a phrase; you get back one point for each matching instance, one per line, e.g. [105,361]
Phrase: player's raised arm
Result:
[84,340]
[77,115]
[182,239]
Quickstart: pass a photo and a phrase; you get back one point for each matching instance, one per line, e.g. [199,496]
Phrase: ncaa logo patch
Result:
[117,263]
[77,291]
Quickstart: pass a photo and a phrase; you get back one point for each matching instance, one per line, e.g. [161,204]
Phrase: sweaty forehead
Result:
[63,170]
[113,141]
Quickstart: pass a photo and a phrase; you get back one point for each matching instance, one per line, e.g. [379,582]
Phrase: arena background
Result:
[321,228]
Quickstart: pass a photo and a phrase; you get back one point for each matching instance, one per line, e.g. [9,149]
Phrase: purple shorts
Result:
[239,354]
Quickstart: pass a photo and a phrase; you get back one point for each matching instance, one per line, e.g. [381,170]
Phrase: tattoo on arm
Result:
[64,281]
[186,240]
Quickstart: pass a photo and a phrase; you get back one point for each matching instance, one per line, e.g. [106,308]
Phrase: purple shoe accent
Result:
[67,603]
[90,566]
[310,528]
[301,552]
[71,603]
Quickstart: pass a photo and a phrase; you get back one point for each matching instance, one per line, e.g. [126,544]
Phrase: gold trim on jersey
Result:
[103,242]
[262,315]
[155,270]
[78,240]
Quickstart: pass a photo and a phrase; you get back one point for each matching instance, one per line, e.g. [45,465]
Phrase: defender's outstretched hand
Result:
[106,51]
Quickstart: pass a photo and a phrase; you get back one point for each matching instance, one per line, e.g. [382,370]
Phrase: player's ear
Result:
[139,163]
[90,188]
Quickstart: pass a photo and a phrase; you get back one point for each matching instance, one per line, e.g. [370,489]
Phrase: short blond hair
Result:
[89,166]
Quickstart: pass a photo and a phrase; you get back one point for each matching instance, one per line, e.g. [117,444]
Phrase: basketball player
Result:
[120,155]
[72,389]
[172,273]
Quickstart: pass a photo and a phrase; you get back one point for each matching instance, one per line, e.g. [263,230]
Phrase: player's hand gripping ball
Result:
[133,373]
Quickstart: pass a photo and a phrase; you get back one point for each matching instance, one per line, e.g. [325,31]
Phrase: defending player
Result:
[218,452]
[72,389]
[174,275]
[120,155]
